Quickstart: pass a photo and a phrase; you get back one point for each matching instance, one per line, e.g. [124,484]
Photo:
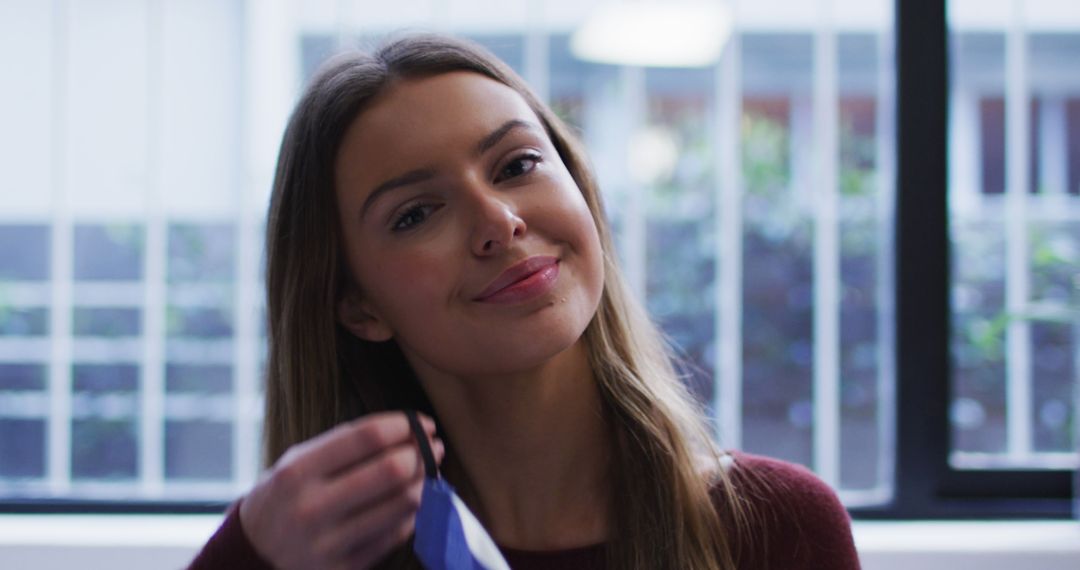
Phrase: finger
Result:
[365,528]
[374,480]
[355,442]
[439,449]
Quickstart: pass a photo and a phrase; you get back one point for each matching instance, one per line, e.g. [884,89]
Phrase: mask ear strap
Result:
[430,469]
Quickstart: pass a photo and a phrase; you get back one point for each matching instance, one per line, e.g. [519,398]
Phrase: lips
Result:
[530,276]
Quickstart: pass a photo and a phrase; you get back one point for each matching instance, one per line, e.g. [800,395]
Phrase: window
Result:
[789,233]
[23,410]
[1016,237]
[129,254]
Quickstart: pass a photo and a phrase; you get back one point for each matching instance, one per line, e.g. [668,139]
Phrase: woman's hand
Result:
[343,499]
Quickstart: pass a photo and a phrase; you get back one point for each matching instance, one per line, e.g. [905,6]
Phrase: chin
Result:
[484,349]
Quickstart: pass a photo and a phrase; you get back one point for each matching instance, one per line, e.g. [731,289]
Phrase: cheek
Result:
[405,287]
[415,276]
[565,209]
[579,227]
[594,255]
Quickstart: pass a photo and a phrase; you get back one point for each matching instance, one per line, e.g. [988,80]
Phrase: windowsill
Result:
[987,545]
[160,541]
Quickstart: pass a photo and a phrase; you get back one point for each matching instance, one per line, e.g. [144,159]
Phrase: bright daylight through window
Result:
[752,194]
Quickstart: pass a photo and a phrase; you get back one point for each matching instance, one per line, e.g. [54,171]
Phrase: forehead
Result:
[416,119]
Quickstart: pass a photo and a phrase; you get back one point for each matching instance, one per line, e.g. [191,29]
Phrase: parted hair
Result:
[667,504]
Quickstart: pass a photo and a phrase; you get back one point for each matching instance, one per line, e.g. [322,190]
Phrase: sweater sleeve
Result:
[797,522]
[229,547]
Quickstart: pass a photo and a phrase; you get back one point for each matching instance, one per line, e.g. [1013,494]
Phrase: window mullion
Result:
[152,389]
[1018,399]
[727,313]
[884,265]
[826,376]
[922,257]
[635,97]
[537,69]
[58,464]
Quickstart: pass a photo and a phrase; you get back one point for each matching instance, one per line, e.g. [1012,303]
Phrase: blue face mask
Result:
[448,535]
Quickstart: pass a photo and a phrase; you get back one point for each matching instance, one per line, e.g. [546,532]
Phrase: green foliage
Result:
[766,156]
[694,173]
[127,235]
[987,335]
[857,154]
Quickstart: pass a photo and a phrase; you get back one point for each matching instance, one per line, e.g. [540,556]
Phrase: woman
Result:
[436,242]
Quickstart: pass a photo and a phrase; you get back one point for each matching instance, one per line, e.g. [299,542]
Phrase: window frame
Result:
[925,485]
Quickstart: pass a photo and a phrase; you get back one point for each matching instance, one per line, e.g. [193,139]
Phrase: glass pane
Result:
[1015,221]
[33,321]
[198,450]
[99,322]
[23,409]
[573,83]
[199,322]
[672,157]
[1072,144]
[978,299]
[198,379]
[24,252]
[22,448]
[104,431]
[104,449]
[198,430]
[201,253]
[16,376]
[108,253]
[778,293]
[862,255]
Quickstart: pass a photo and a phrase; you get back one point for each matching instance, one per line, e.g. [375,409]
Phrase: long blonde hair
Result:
[319,375]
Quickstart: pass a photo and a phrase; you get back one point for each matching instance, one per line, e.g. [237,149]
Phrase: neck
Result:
[530,450]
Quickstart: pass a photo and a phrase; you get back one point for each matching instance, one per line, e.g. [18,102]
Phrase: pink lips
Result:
[526,279]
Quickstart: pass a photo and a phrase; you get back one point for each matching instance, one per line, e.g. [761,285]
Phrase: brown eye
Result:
[413,217]
[519,166]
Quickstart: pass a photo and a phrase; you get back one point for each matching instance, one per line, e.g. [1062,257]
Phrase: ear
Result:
[359,318]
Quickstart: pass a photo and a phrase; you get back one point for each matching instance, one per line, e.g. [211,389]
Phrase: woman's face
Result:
[468,240]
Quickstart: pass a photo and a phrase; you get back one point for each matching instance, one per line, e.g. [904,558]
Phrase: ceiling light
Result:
[650,33]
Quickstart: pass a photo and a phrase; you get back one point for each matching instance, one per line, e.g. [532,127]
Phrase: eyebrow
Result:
[425,174]
[410,177]
[497,135]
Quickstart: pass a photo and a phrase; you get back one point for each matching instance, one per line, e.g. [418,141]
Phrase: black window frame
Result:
[925,485]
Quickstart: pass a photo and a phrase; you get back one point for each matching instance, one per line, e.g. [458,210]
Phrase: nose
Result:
[497,223]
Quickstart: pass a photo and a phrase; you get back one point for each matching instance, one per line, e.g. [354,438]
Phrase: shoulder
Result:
[791,518]
[774,481]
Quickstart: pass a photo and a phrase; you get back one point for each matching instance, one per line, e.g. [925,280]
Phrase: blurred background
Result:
[751,190]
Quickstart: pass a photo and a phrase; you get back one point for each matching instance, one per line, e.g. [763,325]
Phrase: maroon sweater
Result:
[799,524]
